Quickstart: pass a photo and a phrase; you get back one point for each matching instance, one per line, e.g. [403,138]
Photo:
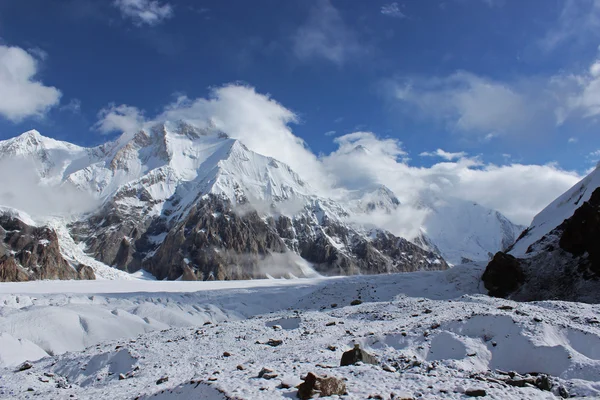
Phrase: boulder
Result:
[355,355]
[503,275]
[320,385]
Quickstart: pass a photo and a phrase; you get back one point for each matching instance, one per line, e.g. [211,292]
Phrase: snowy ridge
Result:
[162,171]
[20,215]
[556,212]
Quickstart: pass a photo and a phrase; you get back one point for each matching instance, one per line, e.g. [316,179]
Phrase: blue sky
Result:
[509,82]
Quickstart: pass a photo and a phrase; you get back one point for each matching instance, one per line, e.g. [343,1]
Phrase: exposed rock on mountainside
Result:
[183,201]
[30,252]
[564,264]
[503,275]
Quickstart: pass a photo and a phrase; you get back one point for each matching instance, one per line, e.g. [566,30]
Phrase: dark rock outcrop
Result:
[503,275]
[581,234]
[31,253]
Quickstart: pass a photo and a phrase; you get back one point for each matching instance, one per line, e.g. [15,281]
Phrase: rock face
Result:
[30,252]
[563,265]
[503,275]
[581,235]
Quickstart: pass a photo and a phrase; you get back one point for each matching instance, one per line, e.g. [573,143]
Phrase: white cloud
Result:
[21,188]
[22,95]
[518,191]
[121,118]
[444,154]
[468,103]
[573,140]
[581,93]
[325,35]
[330,133]
[578,22]
[362,160]
[144,12]
[475,105]
[392,10]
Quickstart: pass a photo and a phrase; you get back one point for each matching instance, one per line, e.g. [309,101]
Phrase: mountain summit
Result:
[184,202]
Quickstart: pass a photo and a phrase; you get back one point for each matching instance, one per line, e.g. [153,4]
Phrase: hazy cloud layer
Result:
[325,35]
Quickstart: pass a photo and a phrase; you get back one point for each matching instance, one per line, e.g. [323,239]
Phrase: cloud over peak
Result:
[361,160]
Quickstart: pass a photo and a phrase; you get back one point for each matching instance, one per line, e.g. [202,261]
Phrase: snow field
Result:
[440,336]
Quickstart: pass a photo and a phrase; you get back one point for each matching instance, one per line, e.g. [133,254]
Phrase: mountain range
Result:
[187,203]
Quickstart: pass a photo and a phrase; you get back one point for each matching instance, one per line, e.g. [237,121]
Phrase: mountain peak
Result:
[30,134]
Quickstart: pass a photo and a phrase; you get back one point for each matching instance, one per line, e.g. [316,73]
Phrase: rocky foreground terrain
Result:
[424,335]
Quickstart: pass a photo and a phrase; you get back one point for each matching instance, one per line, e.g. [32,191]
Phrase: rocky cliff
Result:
[30,252]
[564,264]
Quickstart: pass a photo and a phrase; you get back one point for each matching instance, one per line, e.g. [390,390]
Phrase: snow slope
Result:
[465,230]
[557,211]
[439,336]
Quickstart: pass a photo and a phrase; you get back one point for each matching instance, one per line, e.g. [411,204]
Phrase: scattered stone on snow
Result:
[162,380]
[274,342]
[320,385]
[388,368]
[25,366]
[267,373]
[475,392]
[355,355]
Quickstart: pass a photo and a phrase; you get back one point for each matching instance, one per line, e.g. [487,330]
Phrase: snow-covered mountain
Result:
[558,256]
[182,201]
[465,231]
[556,212]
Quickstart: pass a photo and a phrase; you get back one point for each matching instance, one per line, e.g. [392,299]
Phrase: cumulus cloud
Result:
[581,93]
[474,105]
[444,154]
[144,12]
[22,95]
[392,10]
[518,191]
[325,35]
[362,160]
[121,118]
